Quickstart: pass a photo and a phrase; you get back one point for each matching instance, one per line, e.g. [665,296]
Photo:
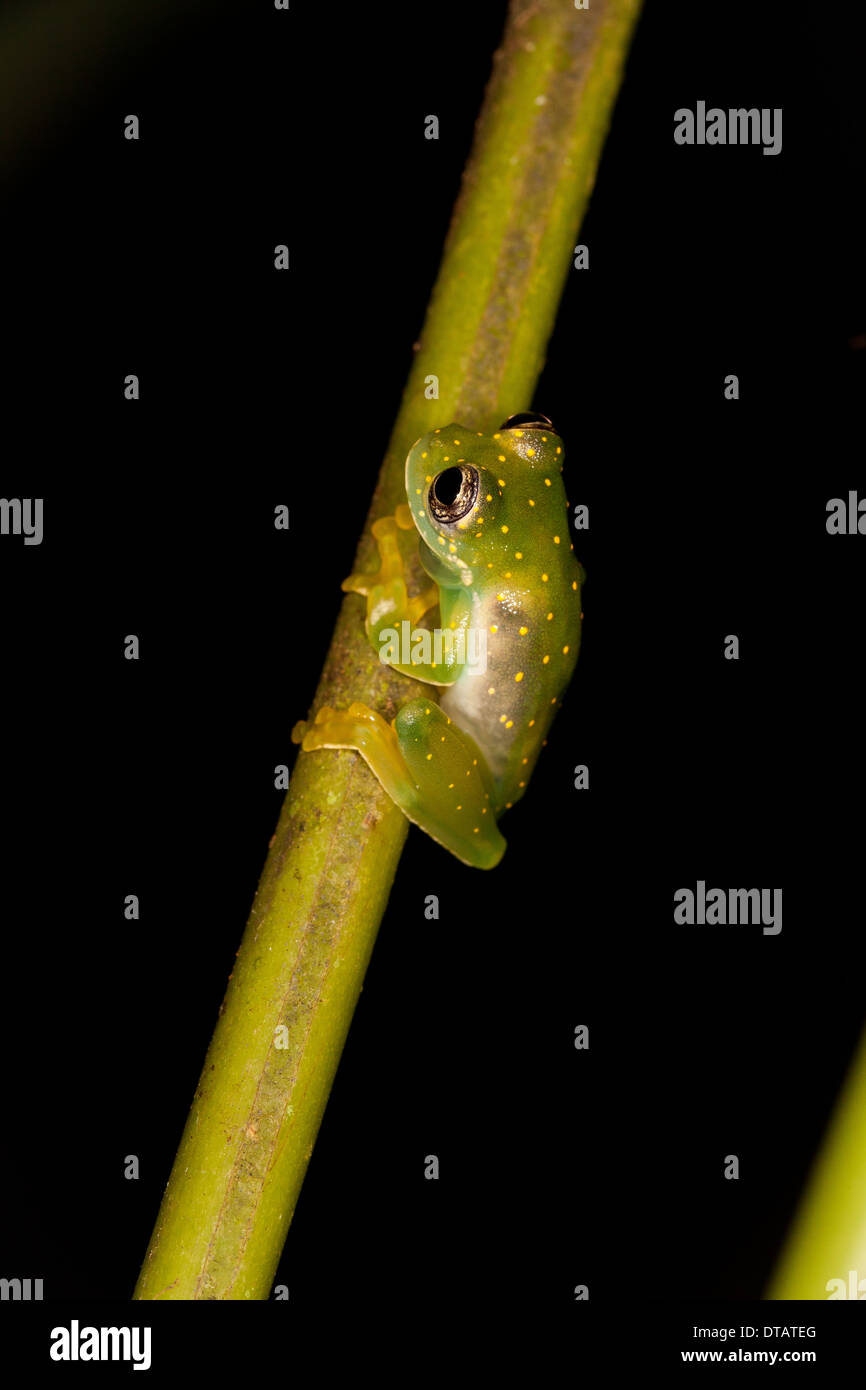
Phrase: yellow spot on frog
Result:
[523,631]
[493,627]
[544,660]
[530,453]
[501,458]
[531,503]
[518,554]
[518,675]
[491,690]
[547,482]
[501,482]
[549,616]
[565,651]
[544,578]
[505,530]
[509,724]
[556,540]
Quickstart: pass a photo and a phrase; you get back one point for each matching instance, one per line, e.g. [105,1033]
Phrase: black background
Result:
[707,517]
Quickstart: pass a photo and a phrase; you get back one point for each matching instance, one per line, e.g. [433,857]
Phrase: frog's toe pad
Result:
[386,532]
[354,727]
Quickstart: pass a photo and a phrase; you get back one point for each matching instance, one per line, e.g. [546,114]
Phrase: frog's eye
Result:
[528,420]
[453,493]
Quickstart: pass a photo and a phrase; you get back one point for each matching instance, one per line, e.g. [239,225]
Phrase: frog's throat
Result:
[435,566]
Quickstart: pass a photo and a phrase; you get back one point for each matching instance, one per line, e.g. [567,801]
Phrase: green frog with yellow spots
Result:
[491,517]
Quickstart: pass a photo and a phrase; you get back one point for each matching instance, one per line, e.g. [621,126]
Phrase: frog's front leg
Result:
[389,607]
[387,597]
[432,770]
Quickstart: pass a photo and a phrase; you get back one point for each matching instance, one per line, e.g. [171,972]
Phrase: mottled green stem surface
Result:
[301,964]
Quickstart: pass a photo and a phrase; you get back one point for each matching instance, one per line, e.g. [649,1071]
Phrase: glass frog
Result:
[491,517]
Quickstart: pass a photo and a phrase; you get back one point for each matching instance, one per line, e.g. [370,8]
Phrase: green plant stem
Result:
[255,1115]
[827,1240]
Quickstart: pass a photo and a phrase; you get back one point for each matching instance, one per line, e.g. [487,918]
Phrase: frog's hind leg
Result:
[430,768]
[361,728]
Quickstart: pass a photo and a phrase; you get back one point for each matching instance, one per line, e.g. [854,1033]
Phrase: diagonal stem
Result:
[325,884]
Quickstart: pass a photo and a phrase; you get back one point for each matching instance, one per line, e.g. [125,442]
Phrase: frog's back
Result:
[504,541]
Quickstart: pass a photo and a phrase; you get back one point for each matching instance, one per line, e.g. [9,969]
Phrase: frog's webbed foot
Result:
[357,727]
[388,601]
[427,765]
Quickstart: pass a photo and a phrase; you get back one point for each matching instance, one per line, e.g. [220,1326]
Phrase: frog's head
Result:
[477,499]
